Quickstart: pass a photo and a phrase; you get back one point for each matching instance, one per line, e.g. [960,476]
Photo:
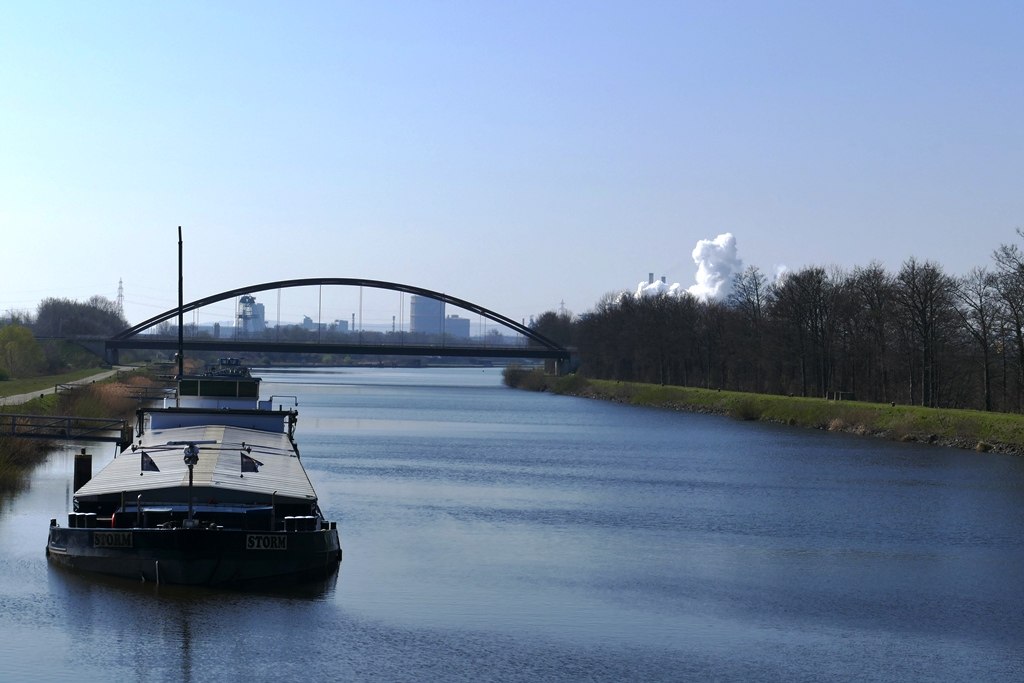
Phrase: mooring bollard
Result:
[83,468]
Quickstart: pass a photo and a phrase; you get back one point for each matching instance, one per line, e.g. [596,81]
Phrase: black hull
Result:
[212,557]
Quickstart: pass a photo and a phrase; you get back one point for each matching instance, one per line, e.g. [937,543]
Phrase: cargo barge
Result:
[211,491]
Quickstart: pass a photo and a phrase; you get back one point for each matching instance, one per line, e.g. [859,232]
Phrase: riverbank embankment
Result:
[967,429]
[17,392]
[106,394]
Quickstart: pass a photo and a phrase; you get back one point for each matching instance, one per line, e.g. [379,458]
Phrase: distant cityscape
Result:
[427,317]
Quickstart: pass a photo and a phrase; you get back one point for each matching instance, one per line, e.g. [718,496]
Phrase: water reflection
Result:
[166,632]
[497,534]
[71,583]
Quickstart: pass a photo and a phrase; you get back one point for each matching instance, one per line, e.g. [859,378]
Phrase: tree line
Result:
[917,336]
[22,354]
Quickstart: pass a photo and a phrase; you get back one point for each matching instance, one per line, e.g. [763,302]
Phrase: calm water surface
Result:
[492,534]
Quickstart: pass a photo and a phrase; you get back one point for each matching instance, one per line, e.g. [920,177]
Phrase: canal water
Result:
[494,534]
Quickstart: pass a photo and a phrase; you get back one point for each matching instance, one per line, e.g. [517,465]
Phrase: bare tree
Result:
[750,297]
[978,306]
[873,291]
[924,298]
[805,302]
[1010,285]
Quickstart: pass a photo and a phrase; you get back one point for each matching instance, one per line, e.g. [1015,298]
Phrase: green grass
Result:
[1003,432]
[13,387]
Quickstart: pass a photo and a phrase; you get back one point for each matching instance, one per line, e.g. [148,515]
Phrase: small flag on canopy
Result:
[250,464]
[147,464]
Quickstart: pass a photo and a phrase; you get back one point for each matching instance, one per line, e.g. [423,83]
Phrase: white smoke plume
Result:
[657,288]
[717,262]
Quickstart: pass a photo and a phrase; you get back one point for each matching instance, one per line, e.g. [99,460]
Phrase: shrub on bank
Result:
[519,377]
[570,384]
[745,408]
[17,458]
[97,400]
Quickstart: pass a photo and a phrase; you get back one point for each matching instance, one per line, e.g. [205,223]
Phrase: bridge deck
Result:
[266,346]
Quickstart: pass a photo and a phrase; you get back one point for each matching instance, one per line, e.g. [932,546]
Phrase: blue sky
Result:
[516,154]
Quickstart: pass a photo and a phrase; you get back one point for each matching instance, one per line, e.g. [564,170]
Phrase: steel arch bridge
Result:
[538,346]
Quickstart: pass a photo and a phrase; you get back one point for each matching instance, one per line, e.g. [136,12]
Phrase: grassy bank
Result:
[13,387]
[998,432]
[106,399]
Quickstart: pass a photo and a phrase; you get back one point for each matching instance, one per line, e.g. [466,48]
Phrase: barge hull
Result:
[214,557]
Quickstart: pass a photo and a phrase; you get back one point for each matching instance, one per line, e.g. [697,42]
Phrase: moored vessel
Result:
[211,491]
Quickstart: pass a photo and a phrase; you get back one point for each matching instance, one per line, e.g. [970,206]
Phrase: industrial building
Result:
[250,316]
[426,316]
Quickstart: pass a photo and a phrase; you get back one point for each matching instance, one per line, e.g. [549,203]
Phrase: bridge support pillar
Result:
[563,366]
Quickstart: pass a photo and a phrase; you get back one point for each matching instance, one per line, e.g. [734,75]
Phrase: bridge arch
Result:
[530,334]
